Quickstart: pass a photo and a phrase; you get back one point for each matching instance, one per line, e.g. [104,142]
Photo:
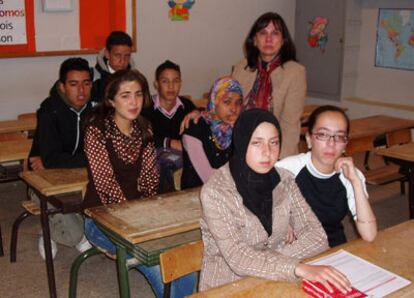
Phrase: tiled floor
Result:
[97,278]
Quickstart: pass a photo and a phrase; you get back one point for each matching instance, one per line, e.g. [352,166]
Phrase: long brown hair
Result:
[105,109]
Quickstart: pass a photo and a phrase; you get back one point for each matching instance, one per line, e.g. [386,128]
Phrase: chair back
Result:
[399,137]
[26,116]
[359,145]
[181,260]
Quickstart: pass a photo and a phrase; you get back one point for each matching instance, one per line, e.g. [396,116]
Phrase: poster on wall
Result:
[318,36]
[395,39]
[12,22]
[180,9]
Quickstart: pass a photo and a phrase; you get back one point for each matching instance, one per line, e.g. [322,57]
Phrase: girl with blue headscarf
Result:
[207,144]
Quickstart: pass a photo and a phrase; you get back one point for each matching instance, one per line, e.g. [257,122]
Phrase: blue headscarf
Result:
[222,131]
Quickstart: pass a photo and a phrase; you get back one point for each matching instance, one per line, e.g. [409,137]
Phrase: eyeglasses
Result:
[323,136]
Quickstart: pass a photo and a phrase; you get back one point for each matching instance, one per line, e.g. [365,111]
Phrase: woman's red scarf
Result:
[260,96]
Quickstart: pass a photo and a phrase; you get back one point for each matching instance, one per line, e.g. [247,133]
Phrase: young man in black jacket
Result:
[58,141]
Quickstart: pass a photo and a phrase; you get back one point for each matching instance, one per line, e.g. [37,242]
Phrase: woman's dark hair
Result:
[106,109]
[327,108]
[287,51]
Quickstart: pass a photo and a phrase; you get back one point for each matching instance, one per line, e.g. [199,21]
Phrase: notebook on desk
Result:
[367,279]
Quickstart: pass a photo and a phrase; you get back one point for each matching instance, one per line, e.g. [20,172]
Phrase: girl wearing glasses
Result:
[330,182]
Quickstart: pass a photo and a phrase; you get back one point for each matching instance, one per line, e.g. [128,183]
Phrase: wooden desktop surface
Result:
[376,125]
[56,181]
[159,216]
[391,250]
[15,150]
[18,125]
[404,152]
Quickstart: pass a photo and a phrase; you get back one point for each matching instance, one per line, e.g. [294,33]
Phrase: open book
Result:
[368,280]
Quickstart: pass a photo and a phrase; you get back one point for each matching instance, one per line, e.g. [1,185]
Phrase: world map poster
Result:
[395,39]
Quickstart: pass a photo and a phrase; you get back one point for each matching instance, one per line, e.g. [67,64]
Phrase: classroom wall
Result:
[206,47]
[361,79]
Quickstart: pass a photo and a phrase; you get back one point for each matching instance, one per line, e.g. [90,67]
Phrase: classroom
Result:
[345,71]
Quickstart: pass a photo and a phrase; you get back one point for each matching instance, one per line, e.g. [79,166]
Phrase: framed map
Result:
[395,39]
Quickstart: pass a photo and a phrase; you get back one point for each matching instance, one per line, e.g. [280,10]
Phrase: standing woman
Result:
[330,182]
[248,205]
[120,153]
[271,78]
[207,143]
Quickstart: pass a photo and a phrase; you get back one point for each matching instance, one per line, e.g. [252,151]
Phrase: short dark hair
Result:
[326,108]
[117,38]
[167,64]
[70,64]
[287,51]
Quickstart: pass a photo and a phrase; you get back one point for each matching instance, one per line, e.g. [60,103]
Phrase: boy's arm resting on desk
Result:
[107,188]
[36,163]
[50,146]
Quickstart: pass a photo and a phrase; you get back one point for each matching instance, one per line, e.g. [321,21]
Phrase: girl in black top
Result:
[330,182]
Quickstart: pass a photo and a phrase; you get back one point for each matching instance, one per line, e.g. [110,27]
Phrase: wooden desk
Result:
[63,189]
[15,150]
[392,250]
[10,126]
[145,228]
[404,156]
[377,125]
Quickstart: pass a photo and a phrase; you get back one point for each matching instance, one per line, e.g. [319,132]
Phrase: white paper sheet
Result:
[371,279]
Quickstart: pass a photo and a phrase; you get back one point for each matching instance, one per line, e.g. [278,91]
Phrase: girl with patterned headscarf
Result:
[207,144]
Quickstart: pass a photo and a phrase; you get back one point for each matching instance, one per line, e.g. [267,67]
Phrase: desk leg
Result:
[410,171]
[44,216]
[123,282]
[1,244]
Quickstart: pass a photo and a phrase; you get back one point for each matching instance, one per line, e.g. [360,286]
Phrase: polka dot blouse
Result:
[128,149]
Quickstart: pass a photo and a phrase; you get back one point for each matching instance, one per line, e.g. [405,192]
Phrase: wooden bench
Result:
[387,173]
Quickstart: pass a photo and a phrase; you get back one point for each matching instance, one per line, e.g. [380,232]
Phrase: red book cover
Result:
[317,290]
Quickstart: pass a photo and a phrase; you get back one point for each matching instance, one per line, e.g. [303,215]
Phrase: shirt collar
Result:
[110,69]
[312,169]
[168,114]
